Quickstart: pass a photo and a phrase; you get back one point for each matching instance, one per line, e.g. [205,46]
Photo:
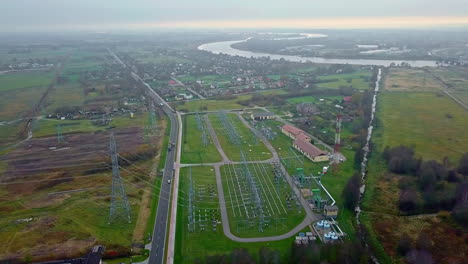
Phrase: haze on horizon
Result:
[50,15]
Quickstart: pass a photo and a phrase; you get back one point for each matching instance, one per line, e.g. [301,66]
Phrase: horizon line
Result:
[390,22]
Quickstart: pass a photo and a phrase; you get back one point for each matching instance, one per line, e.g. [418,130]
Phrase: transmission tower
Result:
[151,126]
[60,138]
[336,148]
[119,206]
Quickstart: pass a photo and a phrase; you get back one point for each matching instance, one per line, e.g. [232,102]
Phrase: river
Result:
[226,48]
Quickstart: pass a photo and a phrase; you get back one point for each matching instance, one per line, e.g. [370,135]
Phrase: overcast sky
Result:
[43,14]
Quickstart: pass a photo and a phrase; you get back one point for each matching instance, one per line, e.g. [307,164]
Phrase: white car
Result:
[168,181]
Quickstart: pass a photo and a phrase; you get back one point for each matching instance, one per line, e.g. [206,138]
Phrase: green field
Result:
[48,127]
[432,123]
[198,245]
[22,80]
[18,103]
[358,80]
[193,148]
[252,147]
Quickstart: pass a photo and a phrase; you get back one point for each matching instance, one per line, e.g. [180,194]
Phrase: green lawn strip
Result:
[193,150]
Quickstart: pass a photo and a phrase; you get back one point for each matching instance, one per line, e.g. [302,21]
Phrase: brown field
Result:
[412,80]
[67,196]
[87,150]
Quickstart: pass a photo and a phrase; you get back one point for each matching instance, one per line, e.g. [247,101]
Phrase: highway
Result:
[158,240]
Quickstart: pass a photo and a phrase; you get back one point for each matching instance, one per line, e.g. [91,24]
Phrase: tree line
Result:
[428,186]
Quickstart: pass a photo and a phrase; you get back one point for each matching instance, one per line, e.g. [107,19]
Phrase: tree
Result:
[268,256]
[460,213]
[351,192]
[463,164]
[409,201]
[430,172]
[404,244]
[241,256]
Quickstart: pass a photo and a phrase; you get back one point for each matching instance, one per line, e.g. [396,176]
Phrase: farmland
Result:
[22,80]
[411,80]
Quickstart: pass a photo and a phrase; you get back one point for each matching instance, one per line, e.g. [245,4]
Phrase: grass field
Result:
[432,123]
[69,94]
[198,245]
[48,127]
[65,220]
[410,80]
[20,80]
[251,146]
[17,103]
[193,148]
[358,80]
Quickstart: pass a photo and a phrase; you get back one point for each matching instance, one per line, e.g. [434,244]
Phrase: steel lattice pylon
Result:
[60,138]
[119,206]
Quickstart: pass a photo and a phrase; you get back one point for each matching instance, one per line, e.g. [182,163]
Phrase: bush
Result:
[409,200]
[351,192]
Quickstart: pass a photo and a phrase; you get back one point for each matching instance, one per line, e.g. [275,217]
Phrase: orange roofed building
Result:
[310,151]
[294,133]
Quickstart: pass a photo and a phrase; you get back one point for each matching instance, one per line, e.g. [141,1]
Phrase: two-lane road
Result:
[158,241]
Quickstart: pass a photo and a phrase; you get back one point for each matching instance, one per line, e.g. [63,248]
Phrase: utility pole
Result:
[119,206]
